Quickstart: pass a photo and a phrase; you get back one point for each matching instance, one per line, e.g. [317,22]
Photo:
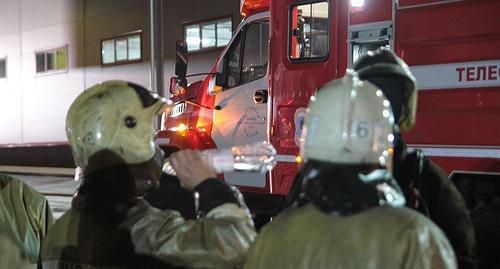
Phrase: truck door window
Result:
[308,34]
[255,52]
[233,63]
[247,63]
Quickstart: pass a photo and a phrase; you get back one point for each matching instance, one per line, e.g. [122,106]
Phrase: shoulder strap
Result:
[420,162]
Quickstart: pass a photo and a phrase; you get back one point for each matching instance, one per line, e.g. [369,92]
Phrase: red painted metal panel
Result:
[410,3]
[455,32]
[457,117]
[374,11]
[292,84]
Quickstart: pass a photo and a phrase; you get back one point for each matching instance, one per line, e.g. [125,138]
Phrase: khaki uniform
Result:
[380,237]
[11,255]
[25,217]
[150,238]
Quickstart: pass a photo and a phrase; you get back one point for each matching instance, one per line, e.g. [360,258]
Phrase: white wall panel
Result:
[9,17]
[46,97]
[11,91]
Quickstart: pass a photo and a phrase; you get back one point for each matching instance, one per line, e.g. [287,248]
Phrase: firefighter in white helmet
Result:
[110,131]
[425,185]
[353,215]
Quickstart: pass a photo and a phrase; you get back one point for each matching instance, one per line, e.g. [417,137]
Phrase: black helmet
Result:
[393,76]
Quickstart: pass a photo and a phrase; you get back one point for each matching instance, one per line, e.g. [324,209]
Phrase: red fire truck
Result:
[283,50]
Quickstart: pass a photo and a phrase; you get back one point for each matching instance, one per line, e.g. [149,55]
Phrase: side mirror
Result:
[220,80]
[214,84]
[181,58]
[178,85]
[221,74]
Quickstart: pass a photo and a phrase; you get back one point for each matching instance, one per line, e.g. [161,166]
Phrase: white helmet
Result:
[114,118]
[348,121]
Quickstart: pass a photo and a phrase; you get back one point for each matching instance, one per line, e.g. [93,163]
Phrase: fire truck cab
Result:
[283,50]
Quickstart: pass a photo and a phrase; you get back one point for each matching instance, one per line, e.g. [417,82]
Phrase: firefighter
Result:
[352,214]
[25,217]
[425,185]
[486,219]
[110,131]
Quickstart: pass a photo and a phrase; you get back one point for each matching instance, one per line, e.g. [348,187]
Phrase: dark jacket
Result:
[170,195]
[440,201]
[486,221]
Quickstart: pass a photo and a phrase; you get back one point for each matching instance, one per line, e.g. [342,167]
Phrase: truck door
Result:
[303,56]
[243,105]
[370,27]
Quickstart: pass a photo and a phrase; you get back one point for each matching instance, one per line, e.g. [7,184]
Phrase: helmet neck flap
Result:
[343,190]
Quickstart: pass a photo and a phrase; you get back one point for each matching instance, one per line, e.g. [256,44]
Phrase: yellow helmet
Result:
[111,124]
[348,121]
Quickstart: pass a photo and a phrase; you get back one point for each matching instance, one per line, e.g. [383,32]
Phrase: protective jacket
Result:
[379,237]
[431,192]
[25,217]
[486,221]
[428,190]
[140,236]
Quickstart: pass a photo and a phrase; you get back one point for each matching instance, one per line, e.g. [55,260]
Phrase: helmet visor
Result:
[396,92]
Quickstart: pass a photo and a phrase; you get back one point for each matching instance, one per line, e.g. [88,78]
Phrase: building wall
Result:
[176,15]
[33,107]
[46,98]
[107,19]
[10,87]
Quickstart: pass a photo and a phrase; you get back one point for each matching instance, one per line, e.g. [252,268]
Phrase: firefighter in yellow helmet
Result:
[425,185]
[25,217]
[110,130]
[352,214]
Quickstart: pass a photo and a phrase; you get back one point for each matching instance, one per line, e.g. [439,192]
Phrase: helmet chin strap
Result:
[388,190]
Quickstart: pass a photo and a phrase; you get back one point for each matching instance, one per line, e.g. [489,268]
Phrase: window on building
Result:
[247,63]
[208,34]
[52,60]
[122,49]
[3,67]
[309,37]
